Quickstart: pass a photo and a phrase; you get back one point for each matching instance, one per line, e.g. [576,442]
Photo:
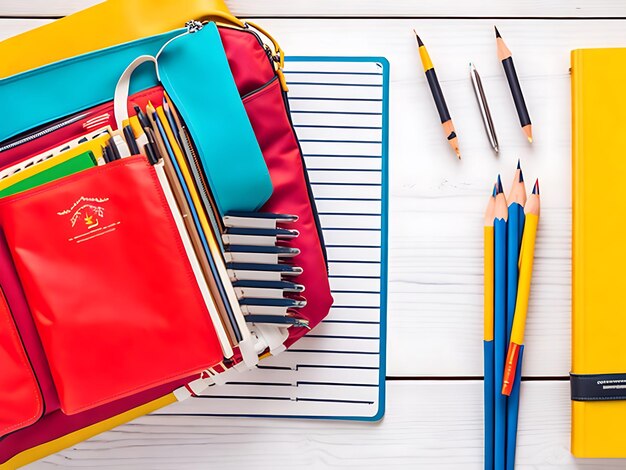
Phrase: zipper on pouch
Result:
[260,89]
[42,132]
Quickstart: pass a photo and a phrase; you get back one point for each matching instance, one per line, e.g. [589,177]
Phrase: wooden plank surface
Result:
[428,424]
[365,8]
[435,303]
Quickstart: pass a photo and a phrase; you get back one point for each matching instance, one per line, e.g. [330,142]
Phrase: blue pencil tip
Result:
[495,190]
[500,184]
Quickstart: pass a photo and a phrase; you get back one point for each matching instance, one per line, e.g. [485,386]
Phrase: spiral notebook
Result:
[339,108]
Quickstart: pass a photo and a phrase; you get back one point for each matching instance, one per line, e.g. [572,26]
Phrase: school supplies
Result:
[515,229]
[504,56]
[483,106]
[338,369]
[488,351]
[598,252]
[527,257]
[509,237]
[440,102]
[500,224]
[163,211]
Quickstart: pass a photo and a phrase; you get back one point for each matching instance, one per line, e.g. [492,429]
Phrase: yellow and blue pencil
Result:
[488,358]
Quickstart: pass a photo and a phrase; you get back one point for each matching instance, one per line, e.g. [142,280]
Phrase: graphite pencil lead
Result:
[419,41]
[518,164]
[497,32]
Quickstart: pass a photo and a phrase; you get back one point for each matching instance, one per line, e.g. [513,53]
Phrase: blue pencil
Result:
[517,199]
[512,253]
[515,228]
[513,414]
[500,326]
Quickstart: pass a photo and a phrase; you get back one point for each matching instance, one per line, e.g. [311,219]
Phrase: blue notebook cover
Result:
[339,108]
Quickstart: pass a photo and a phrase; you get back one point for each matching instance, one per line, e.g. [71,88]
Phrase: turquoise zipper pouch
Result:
[195,73]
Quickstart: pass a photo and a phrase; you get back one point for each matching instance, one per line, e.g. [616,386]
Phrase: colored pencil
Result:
[505,56]
[440,102]
[515,227]
[512,415]
[516,200]
[500,287]
[489,386]
[523,290]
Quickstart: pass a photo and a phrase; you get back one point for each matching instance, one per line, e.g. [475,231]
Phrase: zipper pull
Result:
[193,26]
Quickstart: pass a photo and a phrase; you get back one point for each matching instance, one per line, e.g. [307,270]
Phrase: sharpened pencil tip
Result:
[530,139]
[458,154]
[497,32]
[536,187]
[500,190]
[521,175]
[518,164]
[495,190]
[419,41]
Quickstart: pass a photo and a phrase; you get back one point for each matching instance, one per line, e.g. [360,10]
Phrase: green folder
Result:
[69,167]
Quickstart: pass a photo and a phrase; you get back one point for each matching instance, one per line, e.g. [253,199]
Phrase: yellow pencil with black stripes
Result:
[440,102]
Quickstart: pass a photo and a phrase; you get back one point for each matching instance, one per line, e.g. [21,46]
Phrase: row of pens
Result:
[509,234]
[254,245]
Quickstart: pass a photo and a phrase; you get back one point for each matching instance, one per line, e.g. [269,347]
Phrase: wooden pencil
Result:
[440,102]
[516,200]
[505,56]
[500,287]
[489,386]
[523,291]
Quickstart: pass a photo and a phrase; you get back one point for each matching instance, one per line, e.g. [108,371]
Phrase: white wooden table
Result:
[434,388]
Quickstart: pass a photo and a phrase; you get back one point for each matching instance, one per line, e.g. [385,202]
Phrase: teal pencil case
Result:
[195,73]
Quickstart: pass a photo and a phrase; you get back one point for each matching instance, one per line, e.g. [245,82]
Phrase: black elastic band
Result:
[598,387]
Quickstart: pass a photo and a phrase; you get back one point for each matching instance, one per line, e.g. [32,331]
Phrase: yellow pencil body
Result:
[426,62]
[488,275]
[525,275]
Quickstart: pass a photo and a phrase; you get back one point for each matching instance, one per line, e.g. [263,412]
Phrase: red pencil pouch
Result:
[112,293]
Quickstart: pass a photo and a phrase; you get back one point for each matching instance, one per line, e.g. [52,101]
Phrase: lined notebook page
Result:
[338,369]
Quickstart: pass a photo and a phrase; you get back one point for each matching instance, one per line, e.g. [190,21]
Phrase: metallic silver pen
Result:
[484,107]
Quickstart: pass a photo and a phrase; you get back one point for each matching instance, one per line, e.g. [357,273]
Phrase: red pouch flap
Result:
[20,401]
[106,276]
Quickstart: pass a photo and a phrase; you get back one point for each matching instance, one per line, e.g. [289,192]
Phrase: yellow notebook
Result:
[599,251]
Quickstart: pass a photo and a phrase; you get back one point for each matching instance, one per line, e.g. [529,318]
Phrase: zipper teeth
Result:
[261,88]
[43,132]
[194,157]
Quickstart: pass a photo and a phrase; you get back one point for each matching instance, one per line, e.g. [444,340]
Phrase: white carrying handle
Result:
[122,89]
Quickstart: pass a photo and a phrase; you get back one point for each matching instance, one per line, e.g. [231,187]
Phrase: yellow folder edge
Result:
[56,445]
